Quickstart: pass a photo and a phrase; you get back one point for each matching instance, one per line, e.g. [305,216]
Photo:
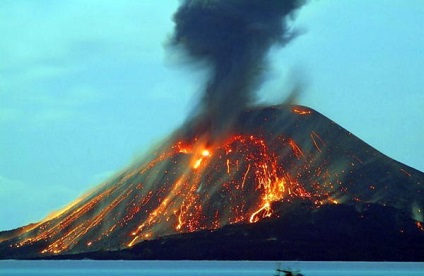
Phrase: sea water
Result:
[230,268]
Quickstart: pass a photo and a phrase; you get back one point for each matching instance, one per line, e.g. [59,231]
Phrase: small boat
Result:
[286,271]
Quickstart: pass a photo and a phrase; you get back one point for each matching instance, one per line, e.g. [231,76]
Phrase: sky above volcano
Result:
[87,86]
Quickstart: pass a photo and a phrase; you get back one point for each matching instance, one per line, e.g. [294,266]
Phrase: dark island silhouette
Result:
[286,183]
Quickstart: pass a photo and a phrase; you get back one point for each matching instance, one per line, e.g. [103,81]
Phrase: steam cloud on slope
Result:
[233,38]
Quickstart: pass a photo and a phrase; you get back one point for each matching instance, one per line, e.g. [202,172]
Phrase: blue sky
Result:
[86,87]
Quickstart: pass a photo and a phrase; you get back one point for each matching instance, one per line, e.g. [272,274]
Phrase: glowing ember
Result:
[301,110]
[420,226]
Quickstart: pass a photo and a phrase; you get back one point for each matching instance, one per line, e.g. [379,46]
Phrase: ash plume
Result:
[233,38]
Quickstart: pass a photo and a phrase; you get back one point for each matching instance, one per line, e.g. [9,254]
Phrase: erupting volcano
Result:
[274,155]
[231,163]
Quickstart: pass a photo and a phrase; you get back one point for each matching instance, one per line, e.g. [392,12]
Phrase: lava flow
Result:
[229,183]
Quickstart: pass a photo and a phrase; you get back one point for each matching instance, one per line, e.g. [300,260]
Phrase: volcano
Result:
[238,180]
[272,159]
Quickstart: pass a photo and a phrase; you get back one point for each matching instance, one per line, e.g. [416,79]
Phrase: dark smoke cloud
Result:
[233,38]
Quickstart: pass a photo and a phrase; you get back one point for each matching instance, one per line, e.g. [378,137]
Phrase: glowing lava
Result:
[204,198]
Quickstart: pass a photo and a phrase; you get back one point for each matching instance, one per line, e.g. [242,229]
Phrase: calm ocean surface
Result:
[204,268]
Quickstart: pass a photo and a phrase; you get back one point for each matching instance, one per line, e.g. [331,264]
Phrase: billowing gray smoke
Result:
[233,38]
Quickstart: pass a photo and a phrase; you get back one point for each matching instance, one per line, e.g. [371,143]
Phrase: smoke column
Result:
[233,38]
